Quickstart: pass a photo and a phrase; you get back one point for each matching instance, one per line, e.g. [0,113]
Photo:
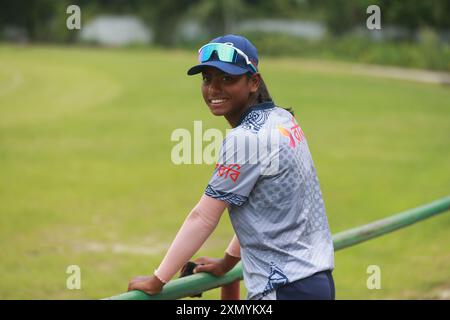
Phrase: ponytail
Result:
[263,95]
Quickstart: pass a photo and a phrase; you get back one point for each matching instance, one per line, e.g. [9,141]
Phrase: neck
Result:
[233,119]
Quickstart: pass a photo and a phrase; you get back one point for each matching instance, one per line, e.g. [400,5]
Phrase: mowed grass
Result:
[86,176]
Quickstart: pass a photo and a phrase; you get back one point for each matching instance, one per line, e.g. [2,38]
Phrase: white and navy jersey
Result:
[266,173]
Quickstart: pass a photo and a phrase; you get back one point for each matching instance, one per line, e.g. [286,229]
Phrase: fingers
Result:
[139,285]
[201,260]
[135,280]
[203,268]
[211,268]
[210,265]
[149,285]
[130,284]
[133,285]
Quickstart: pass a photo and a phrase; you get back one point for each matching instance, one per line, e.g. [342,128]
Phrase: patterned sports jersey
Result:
[266,174]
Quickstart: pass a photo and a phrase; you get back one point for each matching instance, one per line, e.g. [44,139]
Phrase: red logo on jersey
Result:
[232,170]
[293,132]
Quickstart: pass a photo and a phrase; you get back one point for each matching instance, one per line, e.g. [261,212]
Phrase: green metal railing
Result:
[197,283]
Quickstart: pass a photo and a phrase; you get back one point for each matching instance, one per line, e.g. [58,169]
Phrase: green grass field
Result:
[86,176]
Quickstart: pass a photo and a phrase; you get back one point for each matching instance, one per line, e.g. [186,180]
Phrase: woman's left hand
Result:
[149,284]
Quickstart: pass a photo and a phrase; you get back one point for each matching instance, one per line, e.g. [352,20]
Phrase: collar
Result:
[259,106]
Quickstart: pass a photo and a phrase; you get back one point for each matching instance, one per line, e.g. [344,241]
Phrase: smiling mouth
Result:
[217,101]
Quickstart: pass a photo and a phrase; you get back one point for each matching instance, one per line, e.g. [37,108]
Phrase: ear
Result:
[254,82]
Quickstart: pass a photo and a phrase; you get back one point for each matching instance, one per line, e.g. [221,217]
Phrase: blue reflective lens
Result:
[224,52]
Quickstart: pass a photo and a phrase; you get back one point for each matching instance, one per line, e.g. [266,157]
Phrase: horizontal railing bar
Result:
[197,283]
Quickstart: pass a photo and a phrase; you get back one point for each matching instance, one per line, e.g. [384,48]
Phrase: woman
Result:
[266,178]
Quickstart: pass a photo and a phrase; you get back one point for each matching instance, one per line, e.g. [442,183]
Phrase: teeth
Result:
[217,100]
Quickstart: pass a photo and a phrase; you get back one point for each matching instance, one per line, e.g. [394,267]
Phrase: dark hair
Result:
[263,95]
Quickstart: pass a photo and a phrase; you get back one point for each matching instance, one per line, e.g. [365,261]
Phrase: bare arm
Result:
[197,227]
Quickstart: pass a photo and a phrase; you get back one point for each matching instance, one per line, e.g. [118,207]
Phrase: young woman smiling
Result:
[265,177]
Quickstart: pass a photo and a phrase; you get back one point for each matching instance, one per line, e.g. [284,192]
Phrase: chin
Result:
[218,111]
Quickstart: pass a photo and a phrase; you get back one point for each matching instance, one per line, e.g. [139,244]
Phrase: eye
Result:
[206,79]
[227,78]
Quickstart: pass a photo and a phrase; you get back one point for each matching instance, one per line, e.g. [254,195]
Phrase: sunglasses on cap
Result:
[225,52]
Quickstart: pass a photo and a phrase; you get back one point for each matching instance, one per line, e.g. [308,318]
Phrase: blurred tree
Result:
[43,19]
[343,15]
[414,14]
[163,17]
[279,8]
[33,16]
[219,17]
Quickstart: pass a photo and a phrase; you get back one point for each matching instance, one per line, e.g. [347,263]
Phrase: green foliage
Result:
[428,54]
[340,15]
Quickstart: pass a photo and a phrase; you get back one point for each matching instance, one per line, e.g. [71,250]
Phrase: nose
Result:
[215,85]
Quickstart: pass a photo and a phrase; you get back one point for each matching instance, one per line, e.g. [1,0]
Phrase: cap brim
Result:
[224,66]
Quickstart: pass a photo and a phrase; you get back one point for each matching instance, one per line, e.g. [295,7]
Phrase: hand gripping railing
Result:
[197,283]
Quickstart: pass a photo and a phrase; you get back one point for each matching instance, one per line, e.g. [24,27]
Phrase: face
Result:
[226,94]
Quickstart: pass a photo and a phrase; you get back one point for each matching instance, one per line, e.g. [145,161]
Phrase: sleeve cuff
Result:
[231,198]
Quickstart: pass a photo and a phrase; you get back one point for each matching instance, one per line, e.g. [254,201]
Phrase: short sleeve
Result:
[237,169]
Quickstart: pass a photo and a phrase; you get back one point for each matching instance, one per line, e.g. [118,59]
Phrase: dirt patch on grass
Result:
[441,292]
[121,248]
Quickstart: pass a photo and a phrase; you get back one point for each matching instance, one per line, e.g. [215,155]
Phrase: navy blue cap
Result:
[235,68]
